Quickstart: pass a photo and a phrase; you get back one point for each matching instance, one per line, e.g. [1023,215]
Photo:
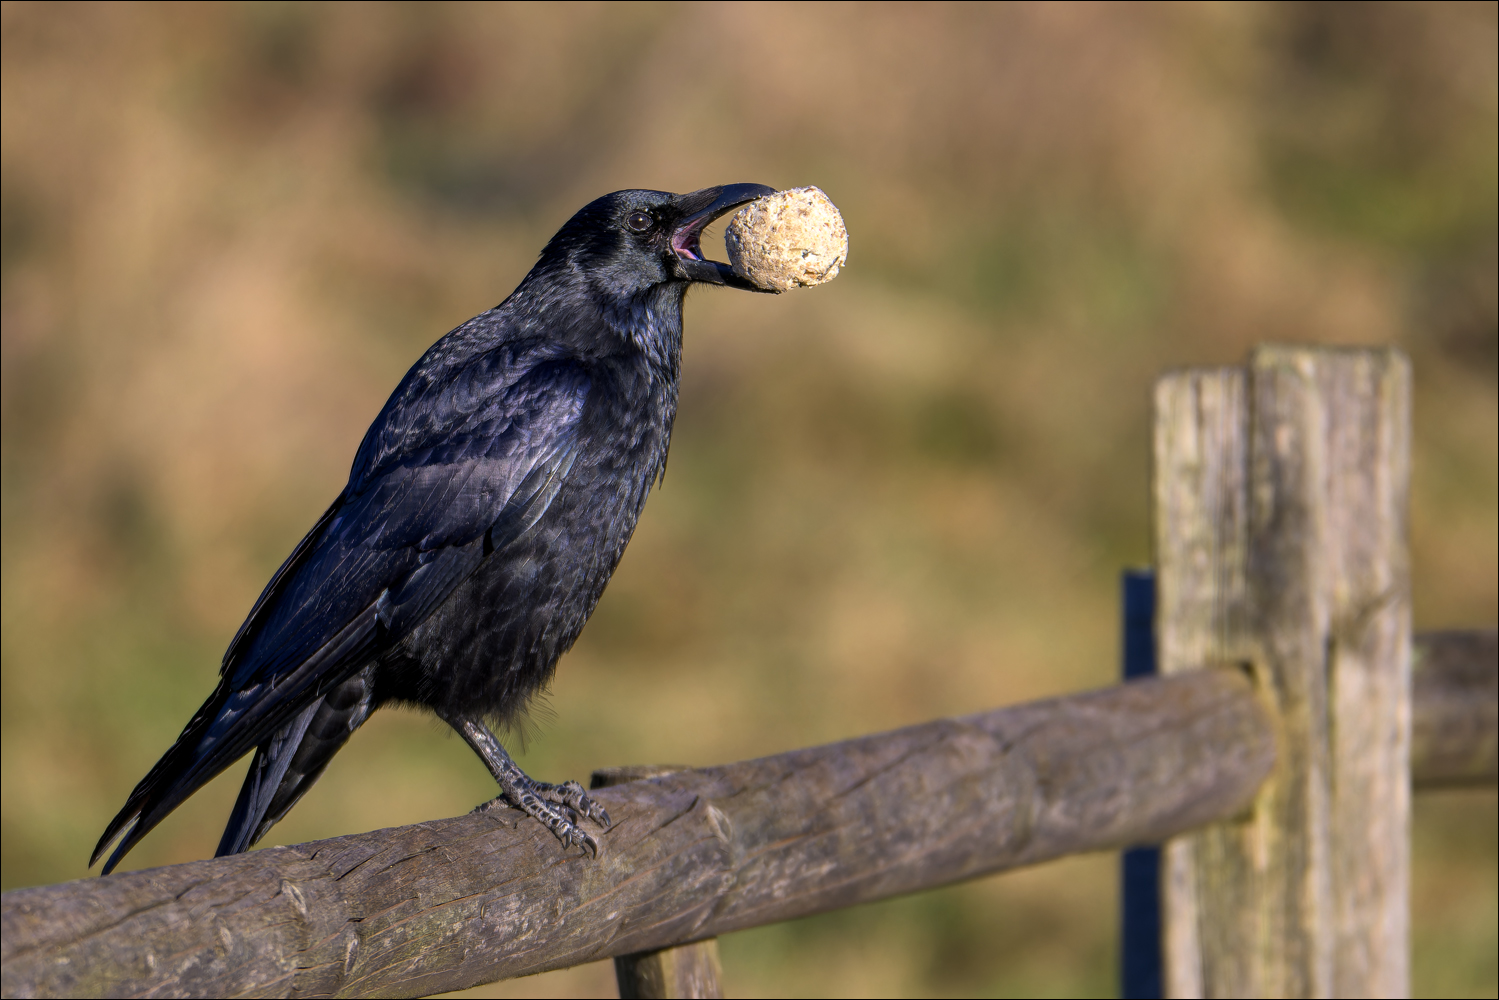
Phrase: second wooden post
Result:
[1280,522]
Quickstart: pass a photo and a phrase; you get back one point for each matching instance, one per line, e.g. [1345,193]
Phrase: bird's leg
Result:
[536,798]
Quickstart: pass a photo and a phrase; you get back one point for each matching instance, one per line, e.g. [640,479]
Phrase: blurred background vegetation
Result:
[229,229]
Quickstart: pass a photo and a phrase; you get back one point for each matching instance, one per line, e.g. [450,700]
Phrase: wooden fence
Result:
[1274,755]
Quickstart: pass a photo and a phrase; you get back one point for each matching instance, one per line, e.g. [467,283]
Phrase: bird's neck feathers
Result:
[652,322]
[647,320]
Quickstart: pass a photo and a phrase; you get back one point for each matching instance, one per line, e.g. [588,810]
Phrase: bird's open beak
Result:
[697,210]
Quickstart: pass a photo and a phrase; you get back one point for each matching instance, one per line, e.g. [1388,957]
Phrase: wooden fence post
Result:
[1280,506]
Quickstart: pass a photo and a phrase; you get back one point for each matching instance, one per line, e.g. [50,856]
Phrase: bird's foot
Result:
[571,794]
[541,801]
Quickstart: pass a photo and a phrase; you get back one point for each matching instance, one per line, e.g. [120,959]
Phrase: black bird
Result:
[487,507]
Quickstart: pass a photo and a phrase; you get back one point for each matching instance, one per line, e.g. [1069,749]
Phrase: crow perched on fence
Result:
[487,507]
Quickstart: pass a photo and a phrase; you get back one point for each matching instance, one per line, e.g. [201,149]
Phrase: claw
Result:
[587,842]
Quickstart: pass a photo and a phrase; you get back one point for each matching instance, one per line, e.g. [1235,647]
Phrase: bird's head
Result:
[630,242]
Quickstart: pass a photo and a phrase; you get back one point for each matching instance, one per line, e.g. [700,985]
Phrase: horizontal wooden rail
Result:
[454,903]
[1455,708]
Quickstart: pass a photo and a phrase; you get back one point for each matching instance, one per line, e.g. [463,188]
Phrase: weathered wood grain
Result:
[1202,616]
[1280,524]
[455,903]
[1455,709]
[683,972]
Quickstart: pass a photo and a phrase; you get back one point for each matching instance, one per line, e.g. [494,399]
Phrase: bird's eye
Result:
[640,221]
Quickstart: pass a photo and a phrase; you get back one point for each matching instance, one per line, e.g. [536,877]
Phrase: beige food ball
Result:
[791,239]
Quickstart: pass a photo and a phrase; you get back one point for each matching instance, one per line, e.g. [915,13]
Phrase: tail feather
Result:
[288,764]
[232,722]
[211,742]
[272,758]
[161,790]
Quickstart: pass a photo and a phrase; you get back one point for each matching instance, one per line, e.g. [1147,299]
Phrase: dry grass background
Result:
[229,229]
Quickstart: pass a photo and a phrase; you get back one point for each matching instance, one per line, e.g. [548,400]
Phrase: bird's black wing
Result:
[457,465]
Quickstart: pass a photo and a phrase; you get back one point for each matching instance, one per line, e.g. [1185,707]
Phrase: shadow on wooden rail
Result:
[459,902]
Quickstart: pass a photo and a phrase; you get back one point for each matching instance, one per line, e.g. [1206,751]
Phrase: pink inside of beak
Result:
[685,242]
